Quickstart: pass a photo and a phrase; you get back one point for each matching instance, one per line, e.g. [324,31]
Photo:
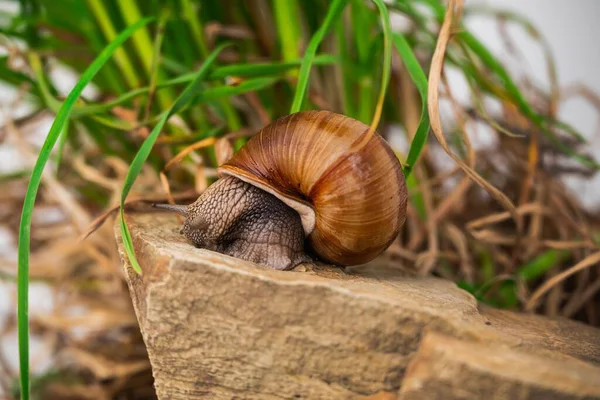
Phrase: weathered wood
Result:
[221,328]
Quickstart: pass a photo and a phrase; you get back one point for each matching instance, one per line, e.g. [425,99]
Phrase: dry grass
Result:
[92,330]
[499,222]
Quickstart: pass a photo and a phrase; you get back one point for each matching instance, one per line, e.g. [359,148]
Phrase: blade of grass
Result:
[262,69]
[158,40]
[511,88]
[121,58]
[487,265]
[30,9]
[287,16]
[387,65]
[385,75]
[240,70]
[345,76]
[30,196]
[420,80]
[223,91]
[36,65]
[182,101]
[191,16]
[493,64]
[333,13]
[142,42]
[362,45]
[542,263]
[62,141]
[114,122]
[207,95]
[416,197]
[77,18]
[531,270]
[362,21]
[177,28]
[534,33]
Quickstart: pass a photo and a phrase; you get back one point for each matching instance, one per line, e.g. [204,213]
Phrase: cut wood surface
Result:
[217,327]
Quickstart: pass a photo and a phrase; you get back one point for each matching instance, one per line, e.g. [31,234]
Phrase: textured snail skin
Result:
[235,218]
[352,200]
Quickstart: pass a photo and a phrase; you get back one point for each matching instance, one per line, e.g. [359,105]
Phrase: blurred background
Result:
[567,28]
[84,337]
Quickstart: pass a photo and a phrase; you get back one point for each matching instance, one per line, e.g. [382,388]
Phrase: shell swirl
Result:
[352,203]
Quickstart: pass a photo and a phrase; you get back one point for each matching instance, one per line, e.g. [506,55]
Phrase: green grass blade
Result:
[533,269]
[543,263]
[416,197]
[511,88]
[207,95]
[239,70]
[343,51]
[36,65]
[492,63]
[418,76]
[30,9]
[264,69]
[98,9]
[191,16]
[289,29]
[182,101]
[130,12]
[333,13]
[362,43]
[32,189]
[387,61]
[62,141]
[154,70]
[362,24]
[223,91]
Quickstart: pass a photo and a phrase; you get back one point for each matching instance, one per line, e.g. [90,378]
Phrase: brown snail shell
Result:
[352,201]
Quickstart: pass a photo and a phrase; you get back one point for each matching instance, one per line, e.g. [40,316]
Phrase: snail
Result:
[302,187]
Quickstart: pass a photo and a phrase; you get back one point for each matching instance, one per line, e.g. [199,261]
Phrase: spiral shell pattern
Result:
[352,201]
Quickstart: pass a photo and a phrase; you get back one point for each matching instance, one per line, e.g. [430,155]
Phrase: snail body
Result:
[302,180]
